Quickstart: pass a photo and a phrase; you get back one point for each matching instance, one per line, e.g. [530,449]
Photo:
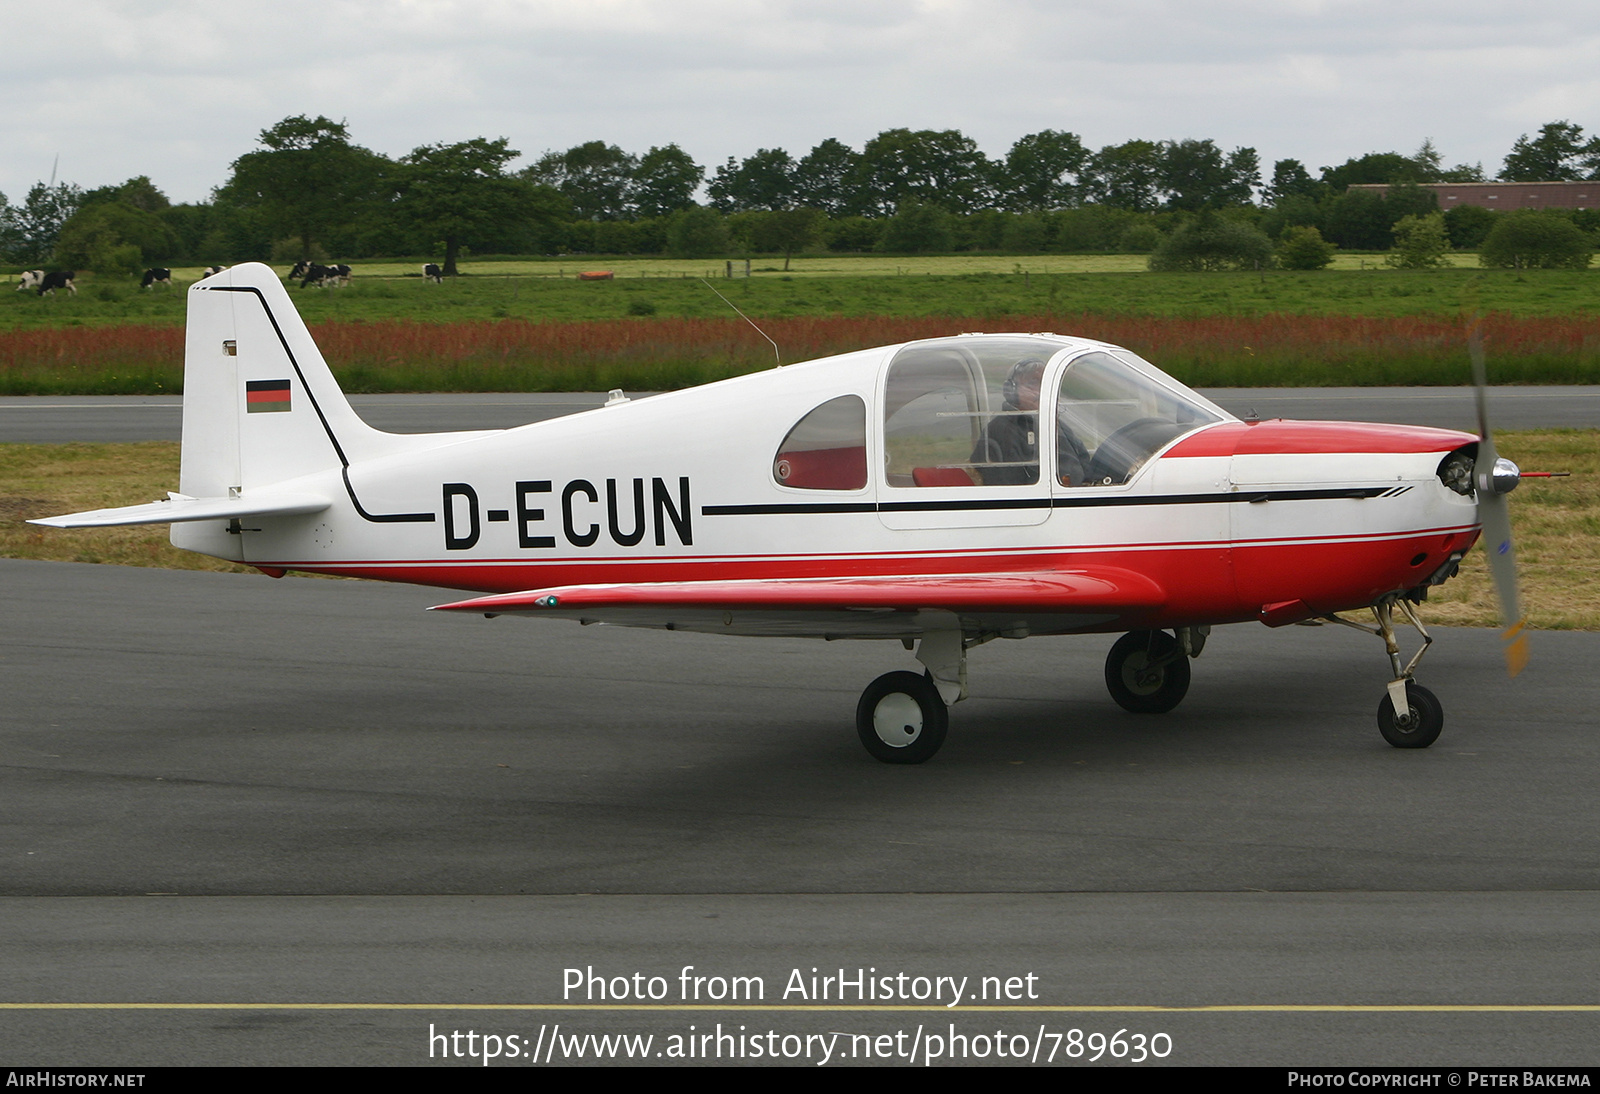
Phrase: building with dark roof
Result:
[1508,196]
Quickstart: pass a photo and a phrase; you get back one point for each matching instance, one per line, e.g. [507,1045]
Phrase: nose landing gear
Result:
[1409,716]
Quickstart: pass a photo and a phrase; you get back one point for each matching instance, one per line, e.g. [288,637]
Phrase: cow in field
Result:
[432,272]
[212,271]
[31,279]
[315,273]
[50,282]
[156,275]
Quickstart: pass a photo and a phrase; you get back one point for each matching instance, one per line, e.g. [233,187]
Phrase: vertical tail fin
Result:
[260,405]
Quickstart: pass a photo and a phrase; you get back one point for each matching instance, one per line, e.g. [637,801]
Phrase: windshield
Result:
[1113,414]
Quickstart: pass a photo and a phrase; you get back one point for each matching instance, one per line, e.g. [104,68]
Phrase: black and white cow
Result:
[156,275]
[31,279]
[315,273]
[432,272]
[213,271]
[57,279]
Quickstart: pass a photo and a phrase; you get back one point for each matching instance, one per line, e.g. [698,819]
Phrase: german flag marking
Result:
[266,396]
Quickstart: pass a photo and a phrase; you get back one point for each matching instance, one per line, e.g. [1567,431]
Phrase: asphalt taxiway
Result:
[124,418]
[266,797]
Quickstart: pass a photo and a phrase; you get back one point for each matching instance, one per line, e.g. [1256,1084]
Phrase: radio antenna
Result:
[776,356]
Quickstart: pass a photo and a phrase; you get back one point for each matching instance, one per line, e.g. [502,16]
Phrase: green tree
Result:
[1303,248]
[1212,242]
[826,179]
[1533,238]
[1558,154]
[1041,171]
[930,167]
[1290,179]
[595,177]
[1469,226]
[765,180]
[1196,175]
[1430,167]
[784,230]
[1125,176]
[697,232]
[110,237]
[1420,243]
[1026,233]
[307,181]
[459,193]
[664,182]
[1374,167]
[853,234]
[139,192]
[1359,220]
[917,228]
[31,229]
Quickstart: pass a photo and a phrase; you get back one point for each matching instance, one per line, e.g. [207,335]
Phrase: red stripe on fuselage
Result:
[1291,437]
[1328,573]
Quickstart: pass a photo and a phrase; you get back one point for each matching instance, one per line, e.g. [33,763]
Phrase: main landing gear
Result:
[1409,715]
[903,716]
[1147,672]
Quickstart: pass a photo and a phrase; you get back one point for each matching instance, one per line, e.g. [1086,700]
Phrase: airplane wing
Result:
[887,606]
[178,508]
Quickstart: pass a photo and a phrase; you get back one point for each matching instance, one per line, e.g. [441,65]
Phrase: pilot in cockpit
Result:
[1007,454]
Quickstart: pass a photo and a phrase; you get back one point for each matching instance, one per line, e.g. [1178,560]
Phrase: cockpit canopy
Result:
[976,411]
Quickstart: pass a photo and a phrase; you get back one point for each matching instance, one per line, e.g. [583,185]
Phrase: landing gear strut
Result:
[1409,715]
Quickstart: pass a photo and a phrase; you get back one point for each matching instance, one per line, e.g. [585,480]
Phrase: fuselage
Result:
[1271,520]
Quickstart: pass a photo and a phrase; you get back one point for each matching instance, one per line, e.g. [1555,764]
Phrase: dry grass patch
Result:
[43,480]
[1556,522]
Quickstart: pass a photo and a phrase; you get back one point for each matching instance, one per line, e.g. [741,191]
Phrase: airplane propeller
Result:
[1494,477]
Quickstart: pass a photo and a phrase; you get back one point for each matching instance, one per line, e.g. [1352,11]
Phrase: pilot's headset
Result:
[1014,380]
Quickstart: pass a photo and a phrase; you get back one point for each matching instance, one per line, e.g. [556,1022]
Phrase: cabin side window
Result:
[827,449]
[965,412]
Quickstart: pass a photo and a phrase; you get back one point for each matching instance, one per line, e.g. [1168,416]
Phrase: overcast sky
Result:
[177,89]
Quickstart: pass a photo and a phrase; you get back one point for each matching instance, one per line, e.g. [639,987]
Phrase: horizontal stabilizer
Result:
[178,508]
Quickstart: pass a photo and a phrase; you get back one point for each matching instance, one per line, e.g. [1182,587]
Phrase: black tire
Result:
[901,718]
[1135,684]
[1422,723]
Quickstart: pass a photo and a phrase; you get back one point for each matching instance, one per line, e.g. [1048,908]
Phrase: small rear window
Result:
[827,449]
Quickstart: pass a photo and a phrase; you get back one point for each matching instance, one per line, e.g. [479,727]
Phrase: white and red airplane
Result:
[941,493]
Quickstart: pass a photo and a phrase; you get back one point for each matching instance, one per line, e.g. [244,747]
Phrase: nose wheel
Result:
[901,718]
[1419,726]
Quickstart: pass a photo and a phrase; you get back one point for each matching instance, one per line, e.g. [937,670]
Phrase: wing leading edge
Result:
[886,606]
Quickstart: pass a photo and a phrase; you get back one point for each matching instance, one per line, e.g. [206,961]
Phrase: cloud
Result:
[177,90]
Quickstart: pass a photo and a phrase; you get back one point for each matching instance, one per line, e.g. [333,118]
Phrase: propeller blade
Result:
[1493,478]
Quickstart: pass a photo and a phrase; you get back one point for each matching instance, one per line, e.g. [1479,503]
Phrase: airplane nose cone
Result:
[1502,479]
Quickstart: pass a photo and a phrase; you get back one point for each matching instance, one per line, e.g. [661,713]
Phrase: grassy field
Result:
[1557,521]
[660,353]
[522,326]
[948,287]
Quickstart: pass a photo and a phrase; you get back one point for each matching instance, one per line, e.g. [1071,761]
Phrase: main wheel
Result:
[1420,725]
[1147,672]
[901,719]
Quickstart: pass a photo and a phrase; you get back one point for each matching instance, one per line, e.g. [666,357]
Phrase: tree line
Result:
[309,191]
